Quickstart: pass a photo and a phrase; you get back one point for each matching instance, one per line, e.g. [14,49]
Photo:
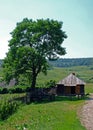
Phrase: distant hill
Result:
[68,62]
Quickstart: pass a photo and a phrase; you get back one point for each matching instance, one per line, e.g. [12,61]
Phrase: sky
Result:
[76,15]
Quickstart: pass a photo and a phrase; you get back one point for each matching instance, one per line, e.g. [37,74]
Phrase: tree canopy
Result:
[32,43]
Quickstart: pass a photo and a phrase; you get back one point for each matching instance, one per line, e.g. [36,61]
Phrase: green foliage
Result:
[51,83]
[68,62]
[57,74]
[58,115]
[16,90]
[4,91]
[91,68]
[31,44]
[7,108]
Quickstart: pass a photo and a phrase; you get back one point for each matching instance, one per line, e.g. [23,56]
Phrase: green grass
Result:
[57,74]
[89,88]
[58,115]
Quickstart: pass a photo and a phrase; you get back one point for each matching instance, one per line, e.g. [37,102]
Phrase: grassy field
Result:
[60,114]
[83,72]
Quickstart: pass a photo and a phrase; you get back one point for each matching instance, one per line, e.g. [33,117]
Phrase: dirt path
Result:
[87,114]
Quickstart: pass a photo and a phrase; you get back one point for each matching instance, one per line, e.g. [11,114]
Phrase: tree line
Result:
[68,62]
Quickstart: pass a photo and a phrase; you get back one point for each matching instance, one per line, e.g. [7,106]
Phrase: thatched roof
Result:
[71,80]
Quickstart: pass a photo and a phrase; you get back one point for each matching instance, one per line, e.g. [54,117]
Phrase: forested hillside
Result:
[68,62]
[72,62]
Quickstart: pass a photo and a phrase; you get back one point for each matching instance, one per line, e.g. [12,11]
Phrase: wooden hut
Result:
[71,85]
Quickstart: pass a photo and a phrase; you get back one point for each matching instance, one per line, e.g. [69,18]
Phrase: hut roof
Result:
[71,80]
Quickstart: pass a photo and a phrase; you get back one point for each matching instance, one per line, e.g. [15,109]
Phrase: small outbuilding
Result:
[71,85]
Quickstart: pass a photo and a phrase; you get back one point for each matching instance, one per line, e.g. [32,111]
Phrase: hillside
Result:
[83,72]
[68,62]
[60,114]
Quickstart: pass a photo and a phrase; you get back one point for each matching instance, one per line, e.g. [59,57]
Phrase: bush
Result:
[12,90]
[4,91]
[51,83]
[91,68]
[16,90]
[19,90]
[7,108]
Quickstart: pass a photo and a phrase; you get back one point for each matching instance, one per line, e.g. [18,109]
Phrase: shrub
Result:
[4,91]
[91,68]
[7,108]
[19,90]
[51,83]
[12,90]
[16,90]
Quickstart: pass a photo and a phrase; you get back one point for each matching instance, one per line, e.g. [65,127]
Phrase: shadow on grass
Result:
[69,98]
[48,100]
[58,99]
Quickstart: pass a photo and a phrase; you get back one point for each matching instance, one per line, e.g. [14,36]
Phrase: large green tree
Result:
[32,43]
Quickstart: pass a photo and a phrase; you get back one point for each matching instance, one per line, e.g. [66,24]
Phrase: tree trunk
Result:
[33,82]
[33,90]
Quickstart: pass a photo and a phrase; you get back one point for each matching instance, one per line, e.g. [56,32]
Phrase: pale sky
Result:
[77,17]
